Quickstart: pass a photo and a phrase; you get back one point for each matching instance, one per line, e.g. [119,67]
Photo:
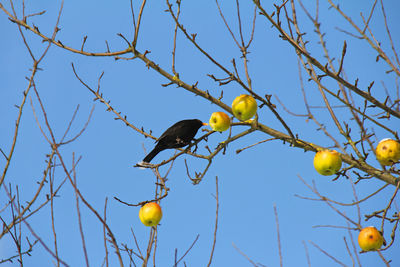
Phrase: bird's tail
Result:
[152,154]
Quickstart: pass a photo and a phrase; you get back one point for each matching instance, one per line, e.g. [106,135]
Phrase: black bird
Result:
[178,135]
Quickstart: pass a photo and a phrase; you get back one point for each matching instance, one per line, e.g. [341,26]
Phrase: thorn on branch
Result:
[83,42]
[282,37]
[342,59]
[146,52]
[388,71]
[12,20]
[108,47]
[166,84]
[123,37]
[370,86]
[221,96]
[35,27]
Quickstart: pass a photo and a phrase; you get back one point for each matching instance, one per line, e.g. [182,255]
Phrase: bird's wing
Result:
[172,131]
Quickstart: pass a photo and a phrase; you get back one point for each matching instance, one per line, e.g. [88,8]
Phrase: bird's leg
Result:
[194,144]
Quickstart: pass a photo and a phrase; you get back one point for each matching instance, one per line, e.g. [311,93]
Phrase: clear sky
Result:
[250,183]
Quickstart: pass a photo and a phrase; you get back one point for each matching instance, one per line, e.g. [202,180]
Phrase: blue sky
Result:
[250,183]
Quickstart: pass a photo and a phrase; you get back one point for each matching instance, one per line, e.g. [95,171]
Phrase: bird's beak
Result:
[205,124]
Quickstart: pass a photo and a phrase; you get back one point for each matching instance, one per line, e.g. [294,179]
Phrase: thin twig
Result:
[104,232]
[78,211]
[307,254]
[278,236]
[327,254]
[216,221]
[244,255]
[187,251]
[34,233]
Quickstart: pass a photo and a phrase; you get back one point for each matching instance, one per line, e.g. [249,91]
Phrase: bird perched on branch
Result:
[178,135]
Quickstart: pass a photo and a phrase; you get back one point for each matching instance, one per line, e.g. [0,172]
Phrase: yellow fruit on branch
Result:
[219,121]
[150,214]
[370,239]
[244,107]
[388,152]
[327,162]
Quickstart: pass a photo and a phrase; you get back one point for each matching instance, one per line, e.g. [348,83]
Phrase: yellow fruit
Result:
[388,152]
[150,214]
[244,107]
[370,238]
[219,121]
[327,162]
